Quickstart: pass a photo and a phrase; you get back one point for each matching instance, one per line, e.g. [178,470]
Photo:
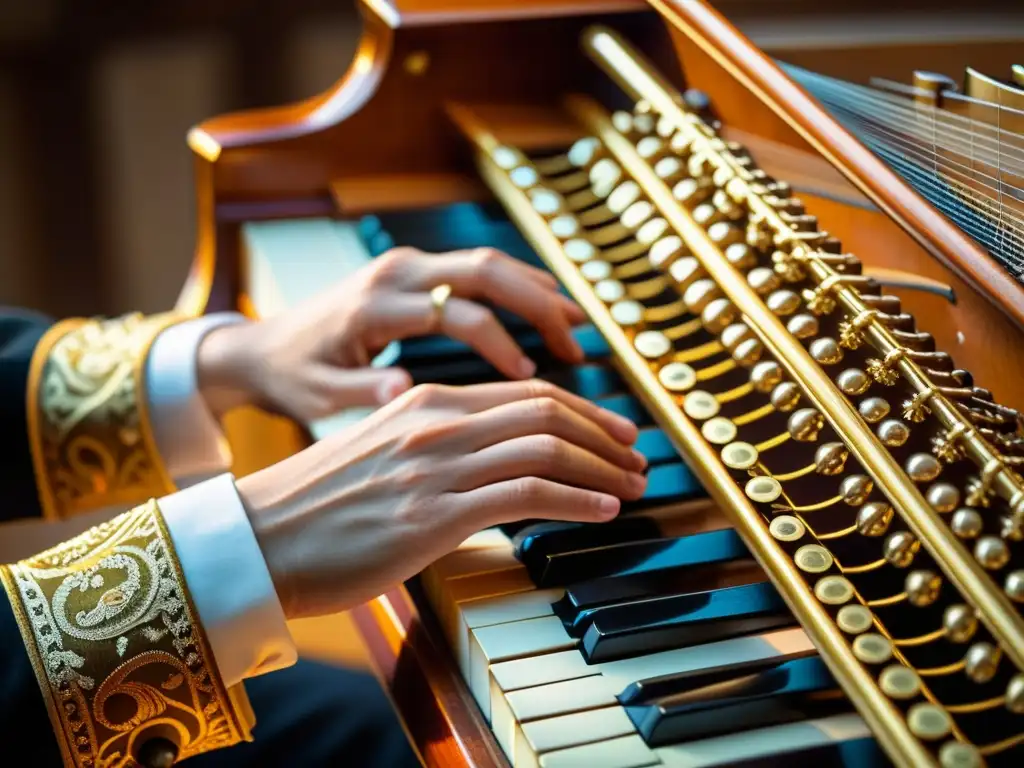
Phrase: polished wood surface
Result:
[383,138]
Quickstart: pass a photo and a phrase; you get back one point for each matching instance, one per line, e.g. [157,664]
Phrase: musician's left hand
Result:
[313,361]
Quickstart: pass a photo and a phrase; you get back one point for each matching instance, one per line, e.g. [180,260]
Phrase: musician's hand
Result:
[344,520]
[312,361]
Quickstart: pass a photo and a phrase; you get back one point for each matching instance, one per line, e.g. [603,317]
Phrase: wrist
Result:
[266,506]
[226,368]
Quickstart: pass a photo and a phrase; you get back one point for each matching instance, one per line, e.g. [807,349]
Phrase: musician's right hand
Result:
[353,515]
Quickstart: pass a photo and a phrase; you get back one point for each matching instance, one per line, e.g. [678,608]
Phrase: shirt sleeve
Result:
[217,548]
[228,579]
[191,444]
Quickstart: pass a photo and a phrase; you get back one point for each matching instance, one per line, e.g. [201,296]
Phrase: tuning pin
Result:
[801,222]
[508,158]
[665,251]
[686,271]
[707,214]
[982,662]
[748,352]
[524,176]
[622,121]
[783,302]
[758,233]
[669,169]
[628,314]
[728,208]
[873,409]
[655,346]
[650,147]
[765,375]
[856,489]
[853,381]
[740,256]
[623,196]
[943,497]
[900,547]
[922,588]
[959,623]
[923,467]
[830,458]
[991,552]
[636,214]
[1015,694]
[734,334]
[691,192]
[873,518]
[803,326]
[724,233]
[967,523]
[718,314]
[604,175]
[785,396]
[700,294]
[805,424]
[893,433]
[763,280]
[825,351]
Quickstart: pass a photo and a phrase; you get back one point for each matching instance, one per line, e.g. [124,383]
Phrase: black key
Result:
[667,483]
[626,405]
[715,702]
[536,542]
[661,623]
[628,572]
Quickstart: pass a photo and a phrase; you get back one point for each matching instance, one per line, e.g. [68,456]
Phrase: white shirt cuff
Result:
[228,580]
[188,437]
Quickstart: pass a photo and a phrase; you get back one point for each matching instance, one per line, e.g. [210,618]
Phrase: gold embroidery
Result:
[113,638]
[92,445]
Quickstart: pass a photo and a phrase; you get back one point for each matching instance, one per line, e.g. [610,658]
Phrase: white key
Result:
[503,642]
[485,612]
[723,751]
[623,752]
[543,736]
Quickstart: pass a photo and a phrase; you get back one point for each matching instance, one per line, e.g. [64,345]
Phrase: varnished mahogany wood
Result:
[387,122]
[412,660]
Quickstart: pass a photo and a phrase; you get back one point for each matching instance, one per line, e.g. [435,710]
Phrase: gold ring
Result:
[438,298]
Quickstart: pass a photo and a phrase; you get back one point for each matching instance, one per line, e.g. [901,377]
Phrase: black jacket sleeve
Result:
[20,332]
[21,701]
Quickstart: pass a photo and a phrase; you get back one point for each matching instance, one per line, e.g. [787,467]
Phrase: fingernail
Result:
[637,484]
[608,508]
[527,368]
[625,428]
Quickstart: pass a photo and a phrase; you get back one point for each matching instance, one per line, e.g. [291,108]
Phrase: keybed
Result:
[759,348]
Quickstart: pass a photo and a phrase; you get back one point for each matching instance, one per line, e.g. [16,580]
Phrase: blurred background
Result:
[96,97]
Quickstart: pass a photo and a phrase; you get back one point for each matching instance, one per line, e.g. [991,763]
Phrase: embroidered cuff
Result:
[92,443]
[113,636]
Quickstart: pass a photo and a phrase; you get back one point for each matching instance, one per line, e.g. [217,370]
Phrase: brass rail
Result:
[886,722]
[640,81]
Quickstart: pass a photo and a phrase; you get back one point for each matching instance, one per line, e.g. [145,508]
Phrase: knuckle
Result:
[486,259]
[547,409]
[548,449]
[537,389]
[424,395]
[526,490]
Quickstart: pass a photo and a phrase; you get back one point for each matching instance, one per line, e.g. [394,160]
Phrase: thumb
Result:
[366,386]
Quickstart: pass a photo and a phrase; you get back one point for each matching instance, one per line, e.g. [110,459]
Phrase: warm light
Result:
[203,144]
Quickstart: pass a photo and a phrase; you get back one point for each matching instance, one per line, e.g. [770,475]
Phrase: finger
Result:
[481,397]
[549,458]
[502,280]
[573,312]
[542,416]
[346,387]
[530,498]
